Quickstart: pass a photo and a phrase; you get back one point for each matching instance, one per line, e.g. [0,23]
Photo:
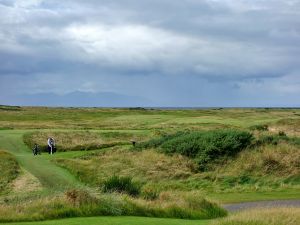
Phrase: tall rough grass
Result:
[121,185]
[144,166]
[81,140]
[9,169]
[79,203]
[273,216]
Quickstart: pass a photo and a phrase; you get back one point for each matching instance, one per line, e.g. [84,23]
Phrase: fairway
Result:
[116,221]
[51,176]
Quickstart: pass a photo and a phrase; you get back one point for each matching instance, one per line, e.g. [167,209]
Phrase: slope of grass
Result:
[9,170]
[251,175]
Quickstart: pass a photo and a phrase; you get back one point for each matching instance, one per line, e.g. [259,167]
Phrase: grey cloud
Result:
[122,46]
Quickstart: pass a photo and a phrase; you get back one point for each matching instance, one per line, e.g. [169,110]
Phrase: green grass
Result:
[118,119]
[236,197]
[56,179]
[171,185]
[51,176]
[115,221]
[9,168]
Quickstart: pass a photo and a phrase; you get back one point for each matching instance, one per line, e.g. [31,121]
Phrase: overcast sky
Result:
[196,53]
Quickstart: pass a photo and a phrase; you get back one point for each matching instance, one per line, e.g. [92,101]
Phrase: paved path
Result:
[262,204]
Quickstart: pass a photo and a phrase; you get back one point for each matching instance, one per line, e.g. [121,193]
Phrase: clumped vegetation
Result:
[81,140]
[264,168]
[75,203]
[260,127]
[9,168]
[121,185]
[204,147]
[272,216]
[272,139]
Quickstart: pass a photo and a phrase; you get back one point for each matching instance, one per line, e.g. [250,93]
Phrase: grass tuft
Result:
[121,185]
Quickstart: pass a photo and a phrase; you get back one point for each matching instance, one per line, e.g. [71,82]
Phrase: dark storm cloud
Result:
[187,52]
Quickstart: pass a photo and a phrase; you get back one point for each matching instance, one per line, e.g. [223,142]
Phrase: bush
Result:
[282,133]
[275,139]
[260,127]
[267,139]
[204,147]
[156,142]
[121,185]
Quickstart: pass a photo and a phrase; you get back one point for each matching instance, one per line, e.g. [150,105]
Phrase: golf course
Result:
[132,166]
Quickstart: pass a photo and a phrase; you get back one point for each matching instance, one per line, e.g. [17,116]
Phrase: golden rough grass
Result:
[25,183]
[82,139]
[281,160]
[182,199]
[272,216]
[144,166]
[290,126]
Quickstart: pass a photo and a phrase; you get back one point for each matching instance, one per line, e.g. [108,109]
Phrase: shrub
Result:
[281,133]
[156,142]
[204,147]
[121,185]
[275,139]
[266,140]
[260,127]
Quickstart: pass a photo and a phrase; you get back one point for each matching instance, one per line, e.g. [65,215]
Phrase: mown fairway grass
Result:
[116,221]
[51,176]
